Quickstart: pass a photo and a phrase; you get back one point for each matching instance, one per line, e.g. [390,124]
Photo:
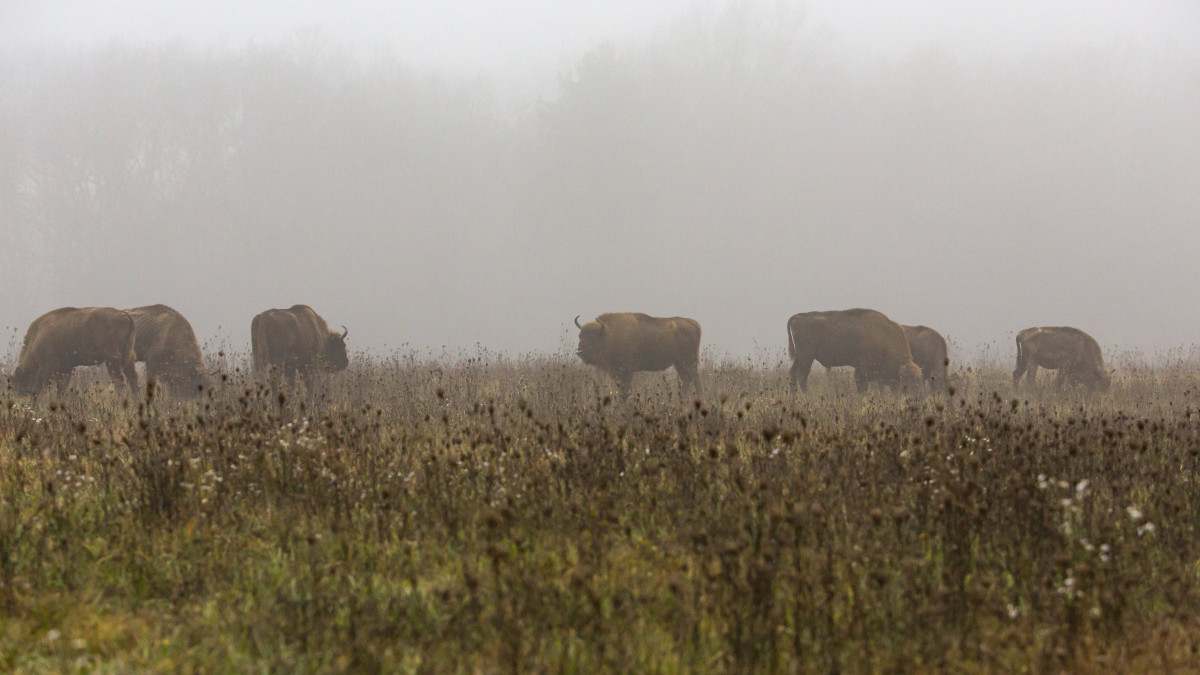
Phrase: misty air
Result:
[478,336]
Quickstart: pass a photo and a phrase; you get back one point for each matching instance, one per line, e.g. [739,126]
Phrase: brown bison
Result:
[622,344]
[864,339]
[296,340]
[1070,351]
[166,342]
[58,341]
[928,349]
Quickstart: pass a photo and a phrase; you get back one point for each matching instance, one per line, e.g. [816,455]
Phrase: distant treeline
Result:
[732,168]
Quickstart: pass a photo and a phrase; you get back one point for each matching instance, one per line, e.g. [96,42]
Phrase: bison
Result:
[1073,353]
[167,344]
[296,340]
[928,349]
[60,340]
[624,343]
[867,340]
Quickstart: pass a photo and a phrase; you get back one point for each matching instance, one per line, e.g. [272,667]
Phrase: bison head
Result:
[195,383]
[1097,379]
[911,377]
[591,342]
[22,381]
[335,349]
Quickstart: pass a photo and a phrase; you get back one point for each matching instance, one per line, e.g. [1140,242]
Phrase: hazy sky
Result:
[470,35]
[1064,144]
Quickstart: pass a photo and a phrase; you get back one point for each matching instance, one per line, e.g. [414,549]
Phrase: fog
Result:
[735,163]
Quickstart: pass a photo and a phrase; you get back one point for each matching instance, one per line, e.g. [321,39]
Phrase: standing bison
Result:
[166,342]
[1070,351]
[58,341]
[928,349]
[622,344]
[864,339]
[296,340]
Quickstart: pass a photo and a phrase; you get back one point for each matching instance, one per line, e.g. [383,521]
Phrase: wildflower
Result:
[1013,611]
[1067,588]
[1081,487]
[1135,514]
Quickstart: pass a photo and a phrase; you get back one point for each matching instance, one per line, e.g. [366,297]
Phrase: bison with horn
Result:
[624,343]
[296,340]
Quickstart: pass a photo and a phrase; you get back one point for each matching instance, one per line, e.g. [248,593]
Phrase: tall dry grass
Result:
[491,513]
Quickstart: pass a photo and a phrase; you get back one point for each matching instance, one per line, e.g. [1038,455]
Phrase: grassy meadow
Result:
[501,514]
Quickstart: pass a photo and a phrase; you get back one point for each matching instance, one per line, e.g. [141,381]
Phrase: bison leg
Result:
[689,376]
[1027,367]
[799,373]
[861,381]
[624,381]
[121,376]
[130,372]
[60,379]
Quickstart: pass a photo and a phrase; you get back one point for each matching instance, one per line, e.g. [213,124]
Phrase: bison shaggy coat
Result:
[624,343]
[928,349]
[864,339]
[1073,353]
[166,342]
[296,340]
[60,340]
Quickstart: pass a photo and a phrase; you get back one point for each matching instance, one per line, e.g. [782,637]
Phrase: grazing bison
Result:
[60,340]
[296,340]
[1070,351]
[928,349]
[867,340]
[621,344]
[166,342]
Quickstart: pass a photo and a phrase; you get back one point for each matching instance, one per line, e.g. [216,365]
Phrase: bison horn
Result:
[577,322]
[345,332]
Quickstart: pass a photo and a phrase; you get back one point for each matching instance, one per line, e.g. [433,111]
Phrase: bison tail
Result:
[791,343]
[258,344]
[129,342]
